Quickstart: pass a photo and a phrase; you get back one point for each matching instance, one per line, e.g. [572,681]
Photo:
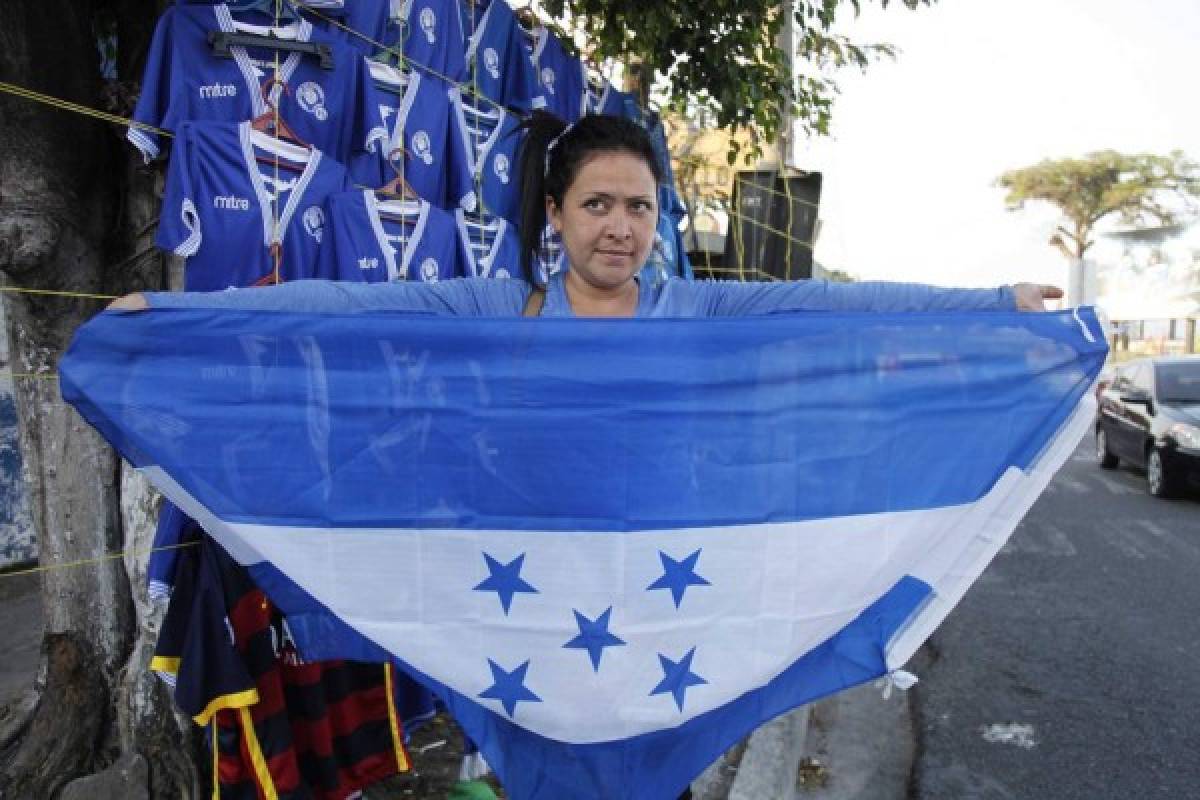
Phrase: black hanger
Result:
[221,41]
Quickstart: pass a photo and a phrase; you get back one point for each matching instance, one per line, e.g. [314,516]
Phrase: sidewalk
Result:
[860,746]
[853,746]
[21,621]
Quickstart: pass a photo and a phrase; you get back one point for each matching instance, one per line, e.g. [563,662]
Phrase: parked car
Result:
[1150,417]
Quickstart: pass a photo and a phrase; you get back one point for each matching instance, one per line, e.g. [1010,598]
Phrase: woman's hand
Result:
[130,302]
[1032,296]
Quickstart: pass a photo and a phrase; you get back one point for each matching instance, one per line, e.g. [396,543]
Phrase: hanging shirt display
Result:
[252,6]
[223,208]
[612,100]
[497,57]
[374,240]
[414,115]
[551,258]
[483,156]
[667,258]
[562,77]
[669,201]
[428,32]
[284,727]
[334,110]
[489,249]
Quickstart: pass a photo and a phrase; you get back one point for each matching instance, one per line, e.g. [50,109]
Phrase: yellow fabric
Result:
[235,700]
[216,779]
[256,755]
[402,762]
[167,664]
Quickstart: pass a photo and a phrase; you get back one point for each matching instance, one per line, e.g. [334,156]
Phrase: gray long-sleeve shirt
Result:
[674,298]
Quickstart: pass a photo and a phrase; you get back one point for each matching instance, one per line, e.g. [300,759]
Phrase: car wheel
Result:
[1158,480]
[1103,454]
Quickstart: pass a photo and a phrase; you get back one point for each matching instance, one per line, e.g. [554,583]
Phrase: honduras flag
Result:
[612,547]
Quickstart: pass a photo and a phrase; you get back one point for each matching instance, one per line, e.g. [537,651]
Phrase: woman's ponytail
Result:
[541,128]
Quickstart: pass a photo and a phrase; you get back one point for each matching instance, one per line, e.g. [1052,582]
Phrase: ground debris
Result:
[812,773]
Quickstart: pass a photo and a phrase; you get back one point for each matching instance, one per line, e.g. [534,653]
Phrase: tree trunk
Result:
[74,215]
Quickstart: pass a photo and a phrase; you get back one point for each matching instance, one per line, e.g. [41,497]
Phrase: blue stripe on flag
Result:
[600,425]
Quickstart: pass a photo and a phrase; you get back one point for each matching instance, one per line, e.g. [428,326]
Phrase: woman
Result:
[596,183]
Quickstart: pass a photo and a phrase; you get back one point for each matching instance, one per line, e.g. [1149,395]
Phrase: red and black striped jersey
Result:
[281,728]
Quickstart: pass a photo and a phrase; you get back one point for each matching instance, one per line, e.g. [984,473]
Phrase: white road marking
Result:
[1013,733]
[1045,539]
[1117,487]
[1079,487]
[1121,540]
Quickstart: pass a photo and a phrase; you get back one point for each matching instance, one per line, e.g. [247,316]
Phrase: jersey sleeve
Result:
[362,121]
[434,37]
[460,181]
[369,19]
[179,229]
[685,264]
[732,298]
[195,651]
[522,90]
[162,567]
[155,97]
[468,297]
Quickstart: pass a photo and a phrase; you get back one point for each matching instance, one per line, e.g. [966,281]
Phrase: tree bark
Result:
[76,215]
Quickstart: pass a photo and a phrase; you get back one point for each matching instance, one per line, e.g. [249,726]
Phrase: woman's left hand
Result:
[1033,296]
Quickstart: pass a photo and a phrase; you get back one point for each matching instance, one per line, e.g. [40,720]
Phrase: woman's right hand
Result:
[129,302]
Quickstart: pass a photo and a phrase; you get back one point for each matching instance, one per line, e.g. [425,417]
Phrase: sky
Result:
[981,87]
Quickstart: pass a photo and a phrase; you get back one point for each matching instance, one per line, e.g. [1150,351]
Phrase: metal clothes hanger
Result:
[273,124]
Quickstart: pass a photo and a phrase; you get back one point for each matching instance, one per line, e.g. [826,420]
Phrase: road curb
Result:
[772,758]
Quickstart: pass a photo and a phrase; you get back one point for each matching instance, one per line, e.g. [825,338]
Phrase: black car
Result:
[1150,416]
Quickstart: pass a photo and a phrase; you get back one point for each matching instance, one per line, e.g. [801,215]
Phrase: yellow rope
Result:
[58,293]
[787,185]
[740,273]
[776,192]
[67,105]
[84,562]
[765,226]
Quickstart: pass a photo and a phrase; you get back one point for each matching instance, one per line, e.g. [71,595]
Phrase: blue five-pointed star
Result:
[677,677]
[594,637]
[505,580]
[678,575]
[509,687]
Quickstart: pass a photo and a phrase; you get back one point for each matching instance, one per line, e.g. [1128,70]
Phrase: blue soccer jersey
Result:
[414,115]
[224,209]
[334,110]
[483,161]
[374,240]
[498,59]
[669,200]
[612,100]
[489,249]
[667,257]
[562,77]
[551,257]
[428,32]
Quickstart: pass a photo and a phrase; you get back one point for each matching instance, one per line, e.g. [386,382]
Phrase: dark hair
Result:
[542,175]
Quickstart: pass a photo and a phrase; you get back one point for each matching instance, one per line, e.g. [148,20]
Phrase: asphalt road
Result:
[1072,668]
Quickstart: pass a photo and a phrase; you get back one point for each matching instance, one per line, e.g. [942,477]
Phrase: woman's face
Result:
[607,219]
